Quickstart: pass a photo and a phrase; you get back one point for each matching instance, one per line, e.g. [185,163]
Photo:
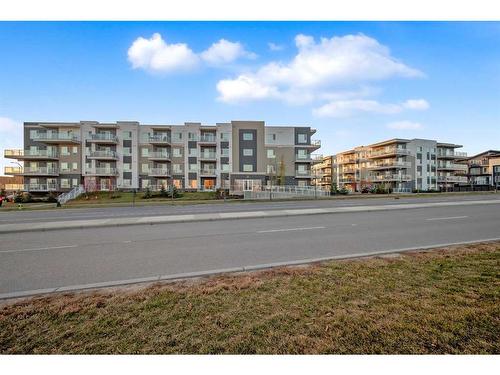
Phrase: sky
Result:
[355,82]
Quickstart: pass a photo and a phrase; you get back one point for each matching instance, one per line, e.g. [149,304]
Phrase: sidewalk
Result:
[151,220]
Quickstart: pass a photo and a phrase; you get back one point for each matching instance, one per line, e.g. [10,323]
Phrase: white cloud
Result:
[12,137]
[155,55]
[404,125]
[347,108]
[275,47]
[224,51]
[324,65]
[244,87]
[416,104]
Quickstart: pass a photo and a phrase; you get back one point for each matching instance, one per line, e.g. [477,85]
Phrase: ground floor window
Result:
[144,184]
[193,184]
[178,183]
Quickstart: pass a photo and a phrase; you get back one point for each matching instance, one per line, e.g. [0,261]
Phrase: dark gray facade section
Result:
[192,160]
[127,143]
[127,175]
[248,145]
[302,130]
[192,144]
[224,144]
[192,176]
[127,159]
[224,160]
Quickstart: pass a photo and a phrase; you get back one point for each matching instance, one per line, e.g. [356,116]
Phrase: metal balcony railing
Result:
[390,177]
[159,172]
[103,171]
[207,171]
[52,171]
[208,155]
[451,154]
[55,137]
[159,138]
[207,138]
[159,155]
[18,154]
[41,187]
[452,179]
[390,164]
[103,154]
[104,137]
[12,170]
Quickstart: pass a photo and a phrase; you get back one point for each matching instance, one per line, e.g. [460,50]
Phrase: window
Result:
[64,166]
[224,137]
[127,151]
[177,152]
[247,167]
[177,137]
[193,184]
[33,133]
[225,168]
[248,136]
[127,182]
[193,167]
[74,182]
[65,151]
[145,168]
[302,138]
[247,152]
[302,183]
[192,136]
[193,152]
[74,166]
[65,183]
[88,165]
[75,150]
[177,168]
[178,183]
[271,154]
[224,152]
[270,138]
[145,183]
[144,152]
[270,169]
[127,135]
[126,167]
[302,154]
[301,168]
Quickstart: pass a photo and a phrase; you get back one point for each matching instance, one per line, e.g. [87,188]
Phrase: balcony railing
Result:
[12,170]
[316,142]
[40,171]
[390,164]
[41,187]
[452,154]
[388,151]
[159,138]
[452,179]
[57,137]
[390,177]
[306,173]
[159,172]
[208,138]
[452,166]
[25,154]
[303,158]
[207,171]
[103,137]
[14,187]
[102,171]
[208,155]
[103,154]
[159,155]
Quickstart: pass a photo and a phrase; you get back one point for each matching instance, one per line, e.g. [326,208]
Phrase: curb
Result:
[152,220]
[221,271]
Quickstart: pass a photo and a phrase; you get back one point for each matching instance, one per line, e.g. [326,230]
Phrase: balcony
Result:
[159,172]
[394,164]
[451,155]
[303,174]
[102,171]
[159,139]
[315,143]
[14,187]
[56,138]
[208,138]
[104,138]
[31,154]
[347,161]
[207,172]
[103,155]
[452,179]
[388,151]
[317,158]
[208,156]
[12,170]
[303,158]
[41,187]
[390,177]
[347,180]
[159,155]
[452,167]
[32,171]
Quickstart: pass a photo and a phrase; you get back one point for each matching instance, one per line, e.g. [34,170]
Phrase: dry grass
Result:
[444,301]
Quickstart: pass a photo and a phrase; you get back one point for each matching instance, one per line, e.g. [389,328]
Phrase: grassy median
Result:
[439,301]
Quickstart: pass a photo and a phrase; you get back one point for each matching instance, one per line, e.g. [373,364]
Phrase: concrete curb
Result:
[152,220]
[250,268]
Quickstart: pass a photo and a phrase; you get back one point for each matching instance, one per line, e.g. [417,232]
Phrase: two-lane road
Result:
[103,256]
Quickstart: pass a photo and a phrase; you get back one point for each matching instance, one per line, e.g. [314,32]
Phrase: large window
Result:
[271,138]
[145,168]
[302,138]
[247,152]
[271,154]
[177,152]
[224,137]
[144,152]
[247,136]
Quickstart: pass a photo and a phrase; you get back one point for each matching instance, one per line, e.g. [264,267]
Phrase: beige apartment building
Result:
[483,170]
[239,155]
[400,165]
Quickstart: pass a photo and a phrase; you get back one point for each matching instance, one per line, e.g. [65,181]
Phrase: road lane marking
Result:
[39,249]
[288,229]
[447,218]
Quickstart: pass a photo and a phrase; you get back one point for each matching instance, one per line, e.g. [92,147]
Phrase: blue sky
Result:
[356,82]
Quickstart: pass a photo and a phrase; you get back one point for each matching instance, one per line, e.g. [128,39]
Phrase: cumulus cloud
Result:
[404,125]
[224,51]
[155,55]
[347,108]
[416,104]
[320,66]
[275,47]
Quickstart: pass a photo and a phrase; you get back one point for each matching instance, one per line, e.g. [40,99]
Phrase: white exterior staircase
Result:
[72,194]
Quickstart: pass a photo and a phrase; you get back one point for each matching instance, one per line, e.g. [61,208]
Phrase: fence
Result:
[284,192]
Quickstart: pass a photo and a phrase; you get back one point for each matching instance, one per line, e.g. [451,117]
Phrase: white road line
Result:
[38,249]
[288,229]
[447,218]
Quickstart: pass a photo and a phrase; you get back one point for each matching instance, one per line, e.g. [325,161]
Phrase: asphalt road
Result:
[78,258]
[11,217]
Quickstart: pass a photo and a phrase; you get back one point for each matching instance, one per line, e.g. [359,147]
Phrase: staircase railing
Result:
[72,194]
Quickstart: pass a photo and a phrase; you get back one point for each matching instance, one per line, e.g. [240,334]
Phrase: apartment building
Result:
[483,169]
[401,165]
[239,155]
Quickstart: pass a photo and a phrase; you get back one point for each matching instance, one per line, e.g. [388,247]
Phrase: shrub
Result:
[18,198]
[147,194]
[52,197]
[343,191]
[26,198]
[163,192]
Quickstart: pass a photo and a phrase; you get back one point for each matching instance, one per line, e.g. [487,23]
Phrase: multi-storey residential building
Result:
[483,169]
[238,155]
[401,165]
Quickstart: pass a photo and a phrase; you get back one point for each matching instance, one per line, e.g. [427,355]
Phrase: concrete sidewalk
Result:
[151,220]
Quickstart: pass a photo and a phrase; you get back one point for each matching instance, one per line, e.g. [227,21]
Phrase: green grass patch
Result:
[442,301]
